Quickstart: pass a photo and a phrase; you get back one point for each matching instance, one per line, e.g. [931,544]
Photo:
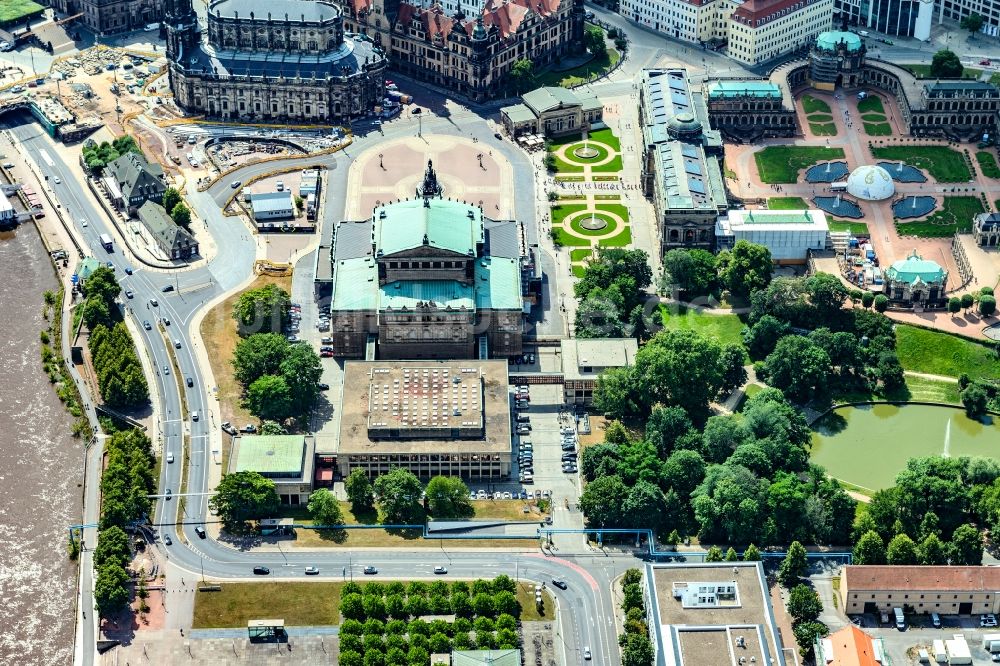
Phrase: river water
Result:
[41,470]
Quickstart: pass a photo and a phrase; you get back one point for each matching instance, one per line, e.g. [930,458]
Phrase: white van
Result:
[150,27]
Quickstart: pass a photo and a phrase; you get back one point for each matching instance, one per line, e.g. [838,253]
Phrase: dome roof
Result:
[830,40]
[683,124]
[870,183]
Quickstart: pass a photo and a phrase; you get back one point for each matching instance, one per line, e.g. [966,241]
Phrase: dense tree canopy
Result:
[946,65]
[243,496]
[262,310]
[448,498]
[746,268]
[360,492]
[399,494]
[692,272]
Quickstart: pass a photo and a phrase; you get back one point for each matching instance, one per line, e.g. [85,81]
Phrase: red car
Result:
[985,61]
[326,354]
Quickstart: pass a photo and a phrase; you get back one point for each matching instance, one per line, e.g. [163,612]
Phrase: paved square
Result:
[395,169]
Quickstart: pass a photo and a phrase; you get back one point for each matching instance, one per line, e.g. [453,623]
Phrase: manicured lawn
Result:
[580,255]
[623,238]
[955,214]
[878,129]
[725,328]
[873,118]
[854,228]
[924,71]
[603,136]
[578,271]
[820,118]
[577,226]
[564,238]
[812,105]
[931,390]
[571,77]
[942,163]
[871,103]
[297,603]
[608,137]
[13,10]
[561,211]
[936,353]
[787,203]
[823,129]
[781,164]
[988,164]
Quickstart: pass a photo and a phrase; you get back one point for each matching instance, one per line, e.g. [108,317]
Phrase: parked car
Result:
[323,386]
[229,428]
[989,620]
[249,429]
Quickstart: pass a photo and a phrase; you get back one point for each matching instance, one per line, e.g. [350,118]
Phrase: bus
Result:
[107,242]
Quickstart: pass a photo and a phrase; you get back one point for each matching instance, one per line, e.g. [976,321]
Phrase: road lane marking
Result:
[45,156]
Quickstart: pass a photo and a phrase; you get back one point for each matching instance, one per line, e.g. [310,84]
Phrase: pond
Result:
[910,207]
[827,172]
[868,445]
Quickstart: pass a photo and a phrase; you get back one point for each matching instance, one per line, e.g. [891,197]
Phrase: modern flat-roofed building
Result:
[712,614]
[272,206]
[434,418]
[552,111]
[681,172]
[904,18]
[788,234]
[946,590]
[285,459]
[584,360]
[761,30]
[687,20]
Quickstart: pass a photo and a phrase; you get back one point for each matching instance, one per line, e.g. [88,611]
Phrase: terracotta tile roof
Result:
[361,6]
[851,647]
[506,18]
[885,577]
[756,13]
[435,22]
[406,12]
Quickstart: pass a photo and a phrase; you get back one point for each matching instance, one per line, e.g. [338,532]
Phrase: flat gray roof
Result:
[355,410]
[597,355]
[706,635]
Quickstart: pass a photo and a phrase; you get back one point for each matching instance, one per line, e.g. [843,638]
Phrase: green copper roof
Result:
[442,224]
[355,284]
[724,89]
[829,40]
[271,454]
[519,113]
[498,284]
[913,267]
[406,294]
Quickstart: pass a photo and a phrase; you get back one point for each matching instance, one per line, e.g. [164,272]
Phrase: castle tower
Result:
[182,29]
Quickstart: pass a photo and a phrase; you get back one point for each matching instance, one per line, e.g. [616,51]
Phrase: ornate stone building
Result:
[681,172]
[107,17]
[916,281]
[427,278]
[746,111]
[986,229]
[960,109]
[471,55]
[274,61]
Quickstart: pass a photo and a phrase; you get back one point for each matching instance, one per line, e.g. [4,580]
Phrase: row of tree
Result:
[400,497]
[126,484]
[375,629]
[119,372]
[97,156]
[637,649]
[742,478]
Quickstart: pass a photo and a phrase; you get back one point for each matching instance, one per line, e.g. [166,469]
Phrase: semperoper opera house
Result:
[276,61]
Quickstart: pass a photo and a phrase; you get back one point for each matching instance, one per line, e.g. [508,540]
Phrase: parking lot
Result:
[903,647]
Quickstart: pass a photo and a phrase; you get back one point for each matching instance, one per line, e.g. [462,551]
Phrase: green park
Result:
[782,164]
